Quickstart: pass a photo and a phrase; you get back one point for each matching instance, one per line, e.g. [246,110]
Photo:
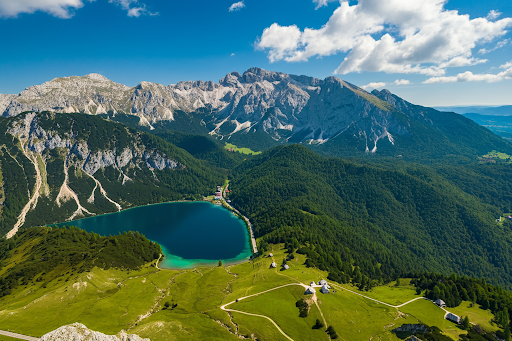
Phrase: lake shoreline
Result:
[160,225]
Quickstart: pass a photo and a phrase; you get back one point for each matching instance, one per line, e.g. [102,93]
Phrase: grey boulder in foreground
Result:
[79,332]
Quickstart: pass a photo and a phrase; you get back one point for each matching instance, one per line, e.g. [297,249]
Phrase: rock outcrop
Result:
[79,332]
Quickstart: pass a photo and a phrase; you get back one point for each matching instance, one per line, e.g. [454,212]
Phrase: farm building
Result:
[453,318]
[309,291]
[271,254]
[322,282]
[440,303]
[312,284]
[324,289]
[286,267]
[273,265]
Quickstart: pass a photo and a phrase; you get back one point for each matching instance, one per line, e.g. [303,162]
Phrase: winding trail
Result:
[18,336]
[35,196]
[223,307]
[377,301]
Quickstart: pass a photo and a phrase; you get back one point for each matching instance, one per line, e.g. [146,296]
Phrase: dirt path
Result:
[35,196]
[18,336]
[373,299]
[223,307]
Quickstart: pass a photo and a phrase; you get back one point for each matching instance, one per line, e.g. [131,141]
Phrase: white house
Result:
[312,284]
[271,254]
[273,265]
[324,289]
[322,282]
[285,267]
[309,291]
[453,318]
[440,303]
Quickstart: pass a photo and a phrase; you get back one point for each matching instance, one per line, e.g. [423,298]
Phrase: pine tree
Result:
[465,323]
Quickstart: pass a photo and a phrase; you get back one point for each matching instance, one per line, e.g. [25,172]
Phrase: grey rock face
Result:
[27,129]
[79,332]
[309,109]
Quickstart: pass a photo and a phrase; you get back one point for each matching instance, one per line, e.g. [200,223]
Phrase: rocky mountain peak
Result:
[96,77]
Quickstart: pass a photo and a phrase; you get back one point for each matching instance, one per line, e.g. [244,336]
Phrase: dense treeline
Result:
[455,289]
[380,222]
[47,253]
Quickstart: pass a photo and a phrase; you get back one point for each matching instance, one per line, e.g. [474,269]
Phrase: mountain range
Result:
[260,109]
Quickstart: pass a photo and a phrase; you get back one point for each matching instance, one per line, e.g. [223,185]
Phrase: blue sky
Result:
[421,50]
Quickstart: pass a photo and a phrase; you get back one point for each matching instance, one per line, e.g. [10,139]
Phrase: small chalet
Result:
[324,289]
[271,254]
[309,291]
[312,284]
[453,318]
[286,267]
[322,282]
[273,265]
[440,303]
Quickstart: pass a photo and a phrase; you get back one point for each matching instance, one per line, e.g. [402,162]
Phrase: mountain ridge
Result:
[261,109]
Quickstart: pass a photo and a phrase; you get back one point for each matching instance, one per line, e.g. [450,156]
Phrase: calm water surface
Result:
[190,233]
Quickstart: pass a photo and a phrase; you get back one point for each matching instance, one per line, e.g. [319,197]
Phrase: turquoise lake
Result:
[191,233]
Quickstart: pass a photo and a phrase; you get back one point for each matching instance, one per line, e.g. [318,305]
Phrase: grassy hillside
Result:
[186,304]
[385,222]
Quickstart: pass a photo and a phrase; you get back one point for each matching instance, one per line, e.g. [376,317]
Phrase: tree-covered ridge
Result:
[379,222]
[158,171]
[44,253]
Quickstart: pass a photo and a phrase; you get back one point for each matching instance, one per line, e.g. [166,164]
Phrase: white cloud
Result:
[402,82]
[133,7]
[499,45]
[321,3]
[236,6]
[469,76]
[58,8]
[233,54]
[374,85]
[394,36]
[493,14]
[506,65]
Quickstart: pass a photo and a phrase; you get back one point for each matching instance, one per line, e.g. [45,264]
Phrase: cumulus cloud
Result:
[499,45]
[402,82]
[506,65]
[374,85]
[493,14]
[236,6]
[133,7]
[469,76]
[393,36]
[58,8]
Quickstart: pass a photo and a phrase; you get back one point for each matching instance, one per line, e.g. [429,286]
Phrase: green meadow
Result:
[240,150]
[136,300]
